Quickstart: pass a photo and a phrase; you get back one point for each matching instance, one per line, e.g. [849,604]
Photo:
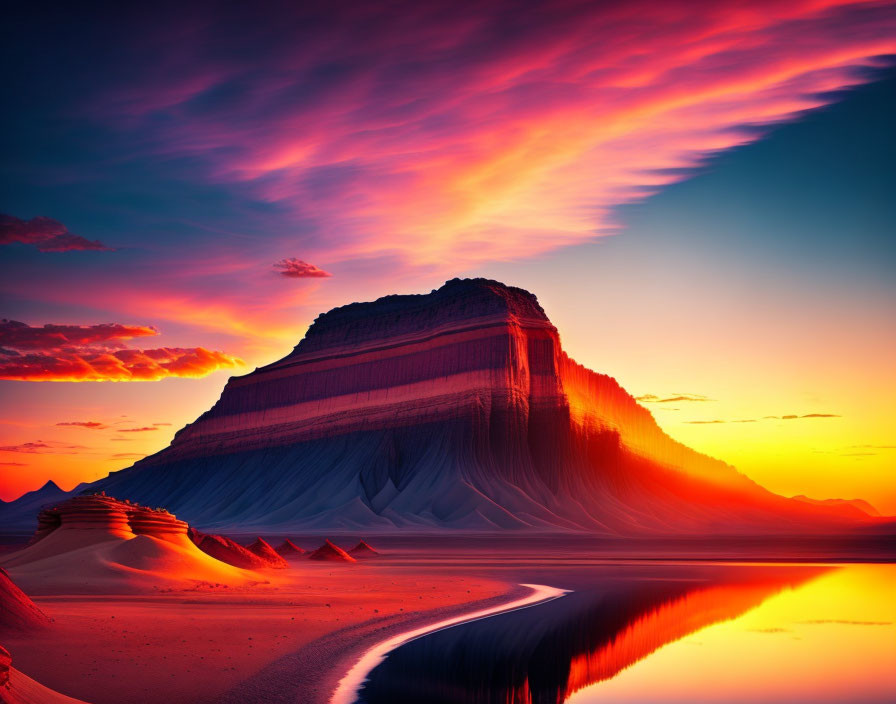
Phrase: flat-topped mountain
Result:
[456,409]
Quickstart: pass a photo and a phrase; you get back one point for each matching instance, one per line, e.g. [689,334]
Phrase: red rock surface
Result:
[363,549]
[331,552]
[17,612]
[289,549]
[263,549]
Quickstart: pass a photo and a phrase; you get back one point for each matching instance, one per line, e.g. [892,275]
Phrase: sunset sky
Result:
[700,194]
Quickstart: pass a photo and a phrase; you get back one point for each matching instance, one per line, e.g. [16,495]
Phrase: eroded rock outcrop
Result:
[98,544]
[456,409]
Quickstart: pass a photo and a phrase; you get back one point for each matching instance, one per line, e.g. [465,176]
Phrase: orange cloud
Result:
[96,353]
[137,430]
[90,424]
[118,365]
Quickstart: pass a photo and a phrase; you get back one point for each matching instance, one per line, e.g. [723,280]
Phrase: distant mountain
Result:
[20,516]
[859,505]
[453,410]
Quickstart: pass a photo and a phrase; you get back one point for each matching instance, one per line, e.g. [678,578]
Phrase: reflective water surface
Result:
[667,633]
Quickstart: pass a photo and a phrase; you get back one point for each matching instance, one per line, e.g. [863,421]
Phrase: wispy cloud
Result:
[89,424]
[41,447]
[675,398]
[46,234]
[800,417]
[137,430]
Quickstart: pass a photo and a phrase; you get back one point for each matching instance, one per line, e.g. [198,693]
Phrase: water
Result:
[667,633]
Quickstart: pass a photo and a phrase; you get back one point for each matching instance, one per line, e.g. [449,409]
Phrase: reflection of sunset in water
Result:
[831,639]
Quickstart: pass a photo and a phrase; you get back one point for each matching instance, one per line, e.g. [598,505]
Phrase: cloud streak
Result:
[46,234]
[444,133]
[89,424]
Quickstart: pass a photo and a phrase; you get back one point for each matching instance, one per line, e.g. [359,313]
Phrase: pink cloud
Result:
[22,336]
[297,269]
[465,136]
[46,234]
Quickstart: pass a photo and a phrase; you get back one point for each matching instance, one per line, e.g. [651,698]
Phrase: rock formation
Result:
[457,410]
[96,543]
[362,550]
[330,552]
[18,613]
[289,549]
[264,550]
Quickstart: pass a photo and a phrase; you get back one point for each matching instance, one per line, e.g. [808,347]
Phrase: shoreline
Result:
[299,676]
[349,686]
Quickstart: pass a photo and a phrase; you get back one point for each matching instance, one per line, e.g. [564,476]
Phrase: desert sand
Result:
[254,643]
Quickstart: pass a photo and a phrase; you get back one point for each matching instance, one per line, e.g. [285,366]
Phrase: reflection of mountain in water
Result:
[541,655]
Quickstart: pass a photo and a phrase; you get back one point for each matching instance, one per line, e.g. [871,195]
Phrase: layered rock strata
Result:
[458,410]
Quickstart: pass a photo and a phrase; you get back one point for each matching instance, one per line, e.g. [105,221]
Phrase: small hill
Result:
[848,507]
[263,549]
[363,550]
[289,549]
[330,552]
[227,550]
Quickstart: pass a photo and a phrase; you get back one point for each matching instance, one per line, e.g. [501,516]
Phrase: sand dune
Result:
[289,549]
[18,614]
[263,549]
[331,552]
[362,550]
[16,688]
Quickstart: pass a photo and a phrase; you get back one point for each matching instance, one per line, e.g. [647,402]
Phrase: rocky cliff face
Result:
[455,409]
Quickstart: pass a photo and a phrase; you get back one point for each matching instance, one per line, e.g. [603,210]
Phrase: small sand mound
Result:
[363,549]
[227,550]
[17,612]
[263,549]
[329,551]
[289,549]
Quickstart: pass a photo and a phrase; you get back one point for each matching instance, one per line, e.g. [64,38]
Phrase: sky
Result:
[700,194]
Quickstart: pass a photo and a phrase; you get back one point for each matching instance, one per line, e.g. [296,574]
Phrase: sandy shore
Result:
[285,643]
